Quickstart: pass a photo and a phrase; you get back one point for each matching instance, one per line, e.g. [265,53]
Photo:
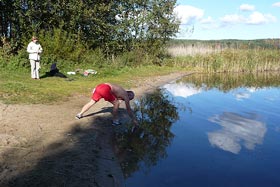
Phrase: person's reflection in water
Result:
[147,144]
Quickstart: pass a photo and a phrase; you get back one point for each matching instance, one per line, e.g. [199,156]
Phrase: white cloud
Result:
[246,7]
[188,14]
[208,20]
[276,4]
[209,23]
[232,19]
[257,18]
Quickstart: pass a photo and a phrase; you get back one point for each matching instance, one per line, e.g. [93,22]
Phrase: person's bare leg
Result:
[86,107]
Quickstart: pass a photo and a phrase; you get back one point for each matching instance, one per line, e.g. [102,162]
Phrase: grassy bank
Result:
[18,87]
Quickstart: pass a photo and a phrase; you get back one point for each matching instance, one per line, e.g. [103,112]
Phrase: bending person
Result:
[114,94]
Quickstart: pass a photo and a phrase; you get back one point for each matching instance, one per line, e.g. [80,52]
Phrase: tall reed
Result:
[227,59]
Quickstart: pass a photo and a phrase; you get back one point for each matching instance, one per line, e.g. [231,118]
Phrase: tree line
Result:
[114,26]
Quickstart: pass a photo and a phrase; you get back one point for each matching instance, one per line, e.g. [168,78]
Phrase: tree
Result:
[148,24]
[115,26]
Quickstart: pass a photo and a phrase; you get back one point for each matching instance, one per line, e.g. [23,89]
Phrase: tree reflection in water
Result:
[147,144]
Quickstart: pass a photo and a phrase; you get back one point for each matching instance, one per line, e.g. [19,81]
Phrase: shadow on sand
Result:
[82,157]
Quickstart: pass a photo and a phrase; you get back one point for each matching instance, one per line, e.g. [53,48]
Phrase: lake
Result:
[219,130]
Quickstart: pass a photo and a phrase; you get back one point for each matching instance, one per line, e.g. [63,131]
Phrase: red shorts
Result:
[103,91]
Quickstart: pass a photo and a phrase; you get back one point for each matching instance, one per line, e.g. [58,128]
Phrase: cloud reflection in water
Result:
[246,94]
[182,89]
[237,130]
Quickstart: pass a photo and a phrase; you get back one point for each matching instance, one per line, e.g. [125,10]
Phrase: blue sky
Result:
[228,19]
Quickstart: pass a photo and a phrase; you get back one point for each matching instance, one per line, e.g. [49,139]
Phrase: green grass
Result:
[18,87]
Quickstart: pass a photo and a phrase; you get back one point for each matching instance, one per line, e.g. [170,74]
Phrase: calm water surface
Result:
[206,130]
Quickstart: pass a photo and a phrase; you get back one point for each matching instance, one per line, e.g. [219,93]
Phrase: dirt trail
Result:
[44,145]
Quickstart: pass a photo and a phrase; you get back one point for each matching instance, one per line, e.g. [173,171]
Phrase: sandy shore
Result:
[43,145]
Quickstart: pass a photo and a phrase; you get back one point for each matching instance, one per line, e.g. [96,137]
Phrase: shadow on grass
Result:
[53,74]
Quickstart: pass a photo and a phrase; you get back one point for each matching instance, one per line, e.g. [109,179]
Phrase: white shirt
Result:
[34,50]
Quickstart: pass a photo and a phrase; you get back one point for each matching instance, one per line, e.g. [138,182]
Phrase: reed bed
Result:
[213,59]
[182,50]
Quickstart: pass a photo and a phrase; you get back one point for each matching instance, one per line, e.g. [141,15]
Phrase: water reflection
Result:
[237,130]
[181,89]
[245,93]
[211,144]
[228,81]
[148,144]
[242,95]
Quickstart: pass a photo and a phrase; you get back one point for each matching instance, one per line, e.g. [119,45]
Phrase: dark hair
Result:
[130,95]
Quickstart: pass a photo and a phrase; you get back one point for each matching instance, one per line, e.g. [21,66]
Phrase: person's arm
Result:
[40,50]
[130,112]
[121,94]
[30,48]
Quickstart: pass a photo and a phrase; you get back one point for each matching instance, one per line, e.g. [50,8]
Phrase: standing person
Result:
[113,94]
[34,49]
